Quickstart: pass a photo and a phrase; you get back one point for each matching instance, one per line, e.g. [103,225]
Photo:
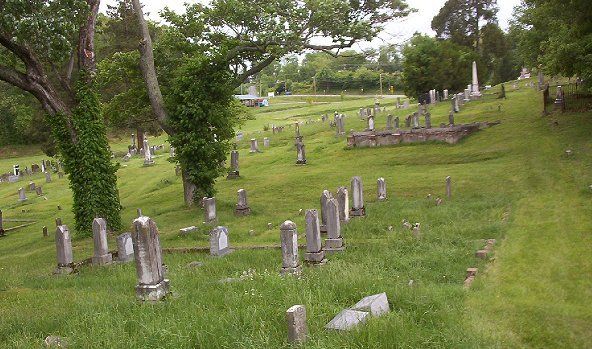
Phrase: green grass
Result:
[511,182]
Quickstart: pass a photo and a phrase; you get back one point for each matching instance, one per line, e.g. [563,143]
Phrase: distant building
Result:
[252,100]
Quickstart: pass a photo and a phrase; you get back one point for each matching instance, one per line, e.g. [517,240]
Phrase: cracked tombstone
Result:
[125,248]
[101,249]
[210,210]
[152,285]
[219,245]
[358,209]
[343,201]
[289,239]
[314,249]
[381,184]
[63,243]
[242,206]
[334,241]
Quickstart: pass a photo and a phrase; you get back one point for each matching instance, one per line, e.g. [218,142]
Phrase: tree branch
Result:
[254,70]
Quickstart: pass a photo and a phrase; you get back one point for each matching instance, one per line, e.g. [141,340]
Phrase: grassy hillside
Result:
[511,182]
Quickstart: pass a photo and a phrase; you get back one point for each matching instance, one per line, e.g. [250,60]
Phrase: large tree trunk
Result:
[188,190]
[140,138]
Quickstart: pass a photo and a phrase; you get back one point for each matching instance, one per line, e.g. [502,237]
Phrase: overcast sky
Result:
[396,32]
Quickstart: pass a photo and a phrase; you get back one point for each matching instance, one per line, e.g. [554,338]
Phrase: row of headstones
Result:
[46,166]
[147,151]
[32,187]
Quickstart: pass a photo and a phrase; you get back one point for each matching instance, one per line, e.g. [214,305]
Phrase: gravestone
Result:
[63,243]
[254,146]
[389,122]
[289,239]
[357,190]
[347,319]
[343,202]
[172,152]
[381,185]
[233,173]
[210,210]
[445,92]
[451,119]
[467,95]
[35,168]
[334,241]
[376,305]
[31,186]
[266,142]
[314,250]
[300,152]
[219,242]
[448,187]
[371,123]
[475,85]
[408,121]
[101,251]
[147,154]
[125,248]
[152,285]
[242,206]
[296,319]
[45,232]
[47,177]
[428,120]
[325,197]
[397,122]
[21,194]
[39,191]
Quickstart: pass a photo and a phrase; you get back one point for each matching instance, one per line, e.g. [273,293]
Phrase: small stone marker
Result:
[296,319]
[101,255]
[376,305]
[47,177]
[39,191]
[64,250]
[210,210]
[481,254]
[242,206]
[343,201]
[381,185]
[219,242]
[254,146]
[125,248]
[31,186]
[289,238]
[55,342]
[266,142]
[21,194]
[389,122]
[45,233]
[449,187]
[152,286]
[397,122]
[371,123]
[334,241]
[347,320]
[314,249]
[416,231]
[233,173]
[358,208]
[187,230]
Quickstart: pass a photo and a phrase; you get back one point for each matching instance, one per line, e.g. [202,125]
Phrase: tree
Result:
[47,49]
[461,20]
[230,41]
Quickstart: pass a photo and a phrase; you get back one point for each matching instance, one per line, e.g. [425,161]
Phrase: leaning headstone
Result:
[296,319]
[357,190]
[381,184]
[152,286]
[347,319]
[254,146]
[219,242]
[21,194]
[289,238]
[242,206]
[343,201]
[334,241]
[325,197]
[233,173]
[47,177]
[125,248]
[64,251]
[448,187]
[314,249]
[101,252]
[210,210]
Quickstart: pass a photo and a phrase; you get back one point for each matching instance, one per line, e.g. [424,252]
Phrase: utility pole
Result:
[380,85]
[314,85]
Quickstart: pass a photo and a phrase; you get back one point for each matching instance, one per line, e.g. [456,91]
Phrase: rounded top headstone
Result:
[288,225]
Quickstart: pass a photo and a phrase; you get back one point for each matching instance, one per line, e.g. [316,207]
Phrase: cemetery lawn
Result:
[511,182]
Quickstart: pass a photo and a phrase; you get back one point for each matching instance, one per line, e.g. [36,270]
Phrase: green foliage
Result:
[204,113]
[87,159]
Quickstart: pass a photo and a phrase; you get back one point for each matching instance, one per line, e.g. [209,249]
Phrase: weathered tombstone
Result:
[451,119]
[397,122]
[467,95]
[357,189]
[233,173]
[242,206]
[314,249]
[416,120]
[31,186]
[347,319]
[296,319]
[47,177]
[45,233]
[152,286]
[147,154]
[210,210]
[371,123]
[343,201]
[35,168]
[289,239]
[448,187]
[101,251]
[254,146]
[219,242]
[64,250]
[389,122]
[445,92]
[266,142]
[125,248]
[334,241]
[408,121]
[428,120]
[21,194]
[325,197]
[39,191]
[300,152]
[341,124]
[381,185]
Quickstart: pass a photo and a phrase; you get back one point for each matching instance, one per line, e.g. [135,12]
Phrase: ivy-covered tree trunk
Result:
[87,161]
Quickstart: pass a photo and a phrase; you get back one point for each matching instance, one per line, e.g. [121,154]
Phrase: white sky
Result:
[395,32]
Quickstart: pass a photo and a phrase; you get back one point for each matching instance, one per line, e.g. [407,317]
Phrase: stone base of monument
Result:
[222,253]
[63,270]
[233,175]
[357,212]
[315,258]
[334,245]
[242,211]
[295,271]
[148,163]
[300,162]
[102,260]
[152,293]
